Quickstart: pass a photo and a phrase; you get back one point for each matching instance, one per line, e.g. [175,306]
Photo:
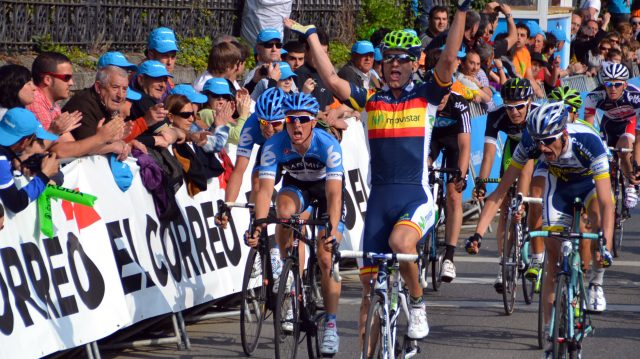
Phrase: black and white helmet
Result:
[547,120]
[613,72]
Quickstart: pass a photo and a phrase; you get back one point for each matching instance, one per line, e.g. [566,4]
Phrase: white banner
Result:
[113,265]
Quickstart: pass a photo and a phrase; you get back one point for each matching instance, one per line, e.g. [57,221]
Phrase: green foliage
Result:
[75,54]
[194,52]
[251,60]
[375,14]
[339,53]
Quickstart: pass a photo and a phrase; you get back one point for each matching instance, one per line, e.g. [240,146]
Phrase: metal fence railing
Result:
[126,23]
[581,83]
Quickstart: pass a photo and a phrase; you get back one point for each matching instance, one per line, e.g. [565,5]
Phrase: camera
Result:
[264,70]
[34,162]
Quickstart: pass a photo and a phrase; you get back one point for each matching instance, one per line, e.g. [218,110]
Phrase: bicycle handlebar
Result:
[620,150]
[239,205]
[565,235]
[371,255]
[524,199]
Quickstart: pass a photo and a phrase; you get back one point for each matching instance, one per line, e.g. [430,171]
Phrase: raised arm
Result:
[447,63]
[339,87]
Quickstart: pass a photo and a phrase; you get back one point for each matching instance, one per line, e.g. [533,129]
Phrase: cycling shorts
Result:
[310,191]
[613,130]
[557,201]
[393,205]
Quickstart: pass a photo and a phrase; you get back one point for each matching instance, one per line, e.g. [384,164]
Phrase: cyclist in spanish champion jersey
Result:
[400,116]
[312,160]
[619,120]
[576,164]
[452,136]
[509,119]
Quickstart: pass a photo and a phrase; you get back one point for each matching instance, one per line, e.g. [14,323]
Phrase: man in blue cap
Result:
[19,129]
[162,46]
[268,45]
[358,69]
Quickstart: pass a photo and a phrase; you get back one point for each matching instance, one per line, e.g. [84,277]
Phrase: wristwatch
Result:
[507,15]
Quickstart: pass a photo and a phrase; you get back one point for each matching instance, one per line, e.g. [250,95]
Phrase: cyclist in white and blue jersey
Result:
[312,159]
[577,165]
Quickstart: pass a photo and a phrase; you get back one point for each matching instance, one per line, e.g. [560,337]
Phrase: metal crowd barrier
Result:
[581,83]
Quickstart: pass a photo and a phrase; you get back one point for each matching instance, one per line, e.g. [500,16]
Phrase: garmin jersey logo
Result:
[268,157]
[334,159]
[245,138]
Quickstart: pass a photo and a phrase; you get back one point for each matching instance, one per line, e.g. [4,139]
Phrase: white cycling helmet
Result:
[547,120]
[613,72]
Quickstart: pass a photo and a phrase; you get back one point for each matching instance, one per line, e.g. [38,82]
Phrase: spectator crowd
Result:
[183,130]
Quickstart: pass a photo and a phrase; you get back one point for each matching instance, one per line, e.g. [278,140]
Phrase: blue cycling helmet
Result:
[269,104]
[301,102]
[547,120]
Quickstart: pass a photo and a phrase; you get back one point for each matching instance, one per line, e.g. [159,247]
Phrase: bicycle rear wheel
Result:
[528,288]
[372,345]
[509,268]
[253,308]
[561,323]
[286,317]
[619,215]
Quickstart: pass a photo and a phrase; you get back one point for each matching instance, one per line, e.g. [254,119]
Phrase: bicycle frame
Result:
[571,269]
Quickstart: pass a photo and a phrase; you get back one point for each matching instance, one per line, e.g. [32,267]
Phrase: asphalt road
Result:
[466,317]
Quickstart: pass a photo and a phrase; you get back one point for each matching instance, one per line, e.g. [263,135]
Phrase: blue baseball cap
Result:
[560,34]
[153,68]
[162,40]
[188,91]
[283,51]
[534,28]
[115,58]
[133,95]
[377,55]
[121,173]
[411,31]
[362,48]
[267,35]
[20,122]
[217,86]
[285,71]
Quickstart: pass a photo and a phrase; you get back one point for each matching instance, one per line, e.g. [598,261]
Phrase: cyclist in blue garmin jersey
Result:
[312,159]
[576,164]
[400,117]
[267,120]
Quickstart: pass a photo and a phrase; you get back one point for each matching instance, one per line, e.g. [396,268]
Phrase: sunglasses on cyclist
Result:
[185,114]
[609,84]
[302,119]
[63,77]
[270,45]
[548,141]
[517,107]
[402,58]
[274,123]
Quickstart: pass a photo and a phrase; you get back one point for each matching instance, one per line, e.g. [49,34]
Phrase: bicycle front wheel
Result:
[436,264]
[541,338]
[372,345]
[560,337]
[528,288]
[286,317]
[253,308]
[509,268]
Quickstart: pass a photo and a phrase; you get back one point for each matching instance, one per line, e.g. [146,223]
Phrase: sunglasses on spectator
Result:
[270,45]
[603,48]
[635,23]
[614,41]
[402,58]
[302,119]
[548,141]
[517,107]
[185,114]
[613,84]
[274,123]
[63,77]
